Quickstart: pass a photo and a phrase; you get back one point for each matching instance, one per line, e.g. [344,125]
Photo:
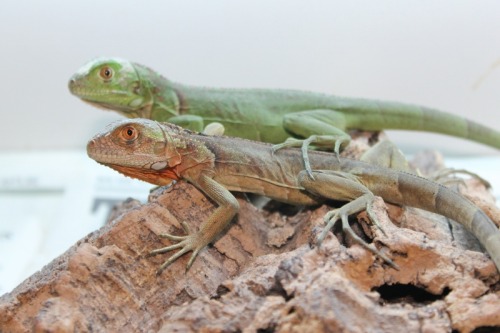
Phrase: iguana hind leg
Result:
[343,186]
[386,154]
[444,176]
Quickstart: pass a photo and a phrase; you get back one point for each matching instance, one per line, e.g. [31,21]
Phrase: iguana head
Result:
[151,151]
[115,84]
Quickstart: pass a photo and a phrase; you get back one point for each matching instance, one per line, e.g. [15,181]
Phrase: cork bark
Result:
[264,274]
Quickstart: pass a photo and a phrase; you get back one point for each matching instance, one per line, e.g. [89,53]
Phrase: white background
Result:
[444,54]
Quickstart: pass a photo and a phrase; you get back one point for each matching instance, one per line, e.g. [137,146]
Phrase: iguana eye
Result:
[106,73]
[129,133]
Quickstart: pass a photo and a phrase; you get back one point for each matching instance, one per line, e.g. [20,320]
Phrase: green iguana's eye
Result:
[106,73]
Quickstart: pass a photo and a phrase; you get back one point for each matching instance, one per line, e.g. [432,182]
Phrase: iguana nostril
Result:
[90,147]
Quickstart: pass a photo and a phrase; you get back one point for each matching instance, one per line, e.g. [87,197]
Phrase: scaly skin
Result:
[258,114]
[160,152]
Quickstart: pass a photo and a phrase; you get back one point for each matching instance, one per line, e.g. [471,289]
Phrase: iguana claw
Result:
[304,144]
[342,214]
[442,175]
[187,243]
[290,142]
[318,140]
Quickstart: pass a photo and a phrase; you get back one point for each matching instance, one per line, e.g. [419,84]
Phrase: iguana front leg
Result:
[343,186]
[195,241]
[321,128]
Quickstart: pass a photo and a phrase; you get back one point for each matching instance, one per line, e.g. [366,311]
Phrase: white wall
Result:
[426,52]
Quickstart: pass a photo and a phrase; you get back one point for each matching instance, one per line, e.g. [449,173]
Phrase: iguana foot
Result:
[318,141]
[290,142]
[342,214]
[190,242]
[443,177]
[304,144]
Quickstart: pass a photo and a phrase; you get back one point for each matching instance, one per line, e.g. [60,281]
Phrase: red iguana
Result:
[160,152]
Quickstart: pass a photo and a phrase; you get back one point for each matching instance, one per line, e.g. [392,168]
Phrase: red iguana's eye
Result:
[129,133]
[106,73]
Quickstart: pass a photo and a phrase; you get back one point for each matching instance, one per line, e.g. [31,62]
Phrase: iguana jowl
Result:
[160,152]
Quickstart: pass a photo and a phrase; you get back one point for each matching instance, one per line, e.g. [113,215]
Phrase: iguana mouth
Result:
[124,109]
[85,93]
[160,178]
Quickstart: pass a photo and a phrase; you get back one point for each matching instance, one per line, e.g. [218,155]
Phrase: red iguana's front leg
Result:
[227,208]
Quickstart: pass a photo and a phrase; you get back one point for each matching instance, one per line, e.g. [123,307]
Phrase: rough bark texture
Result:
[263,275]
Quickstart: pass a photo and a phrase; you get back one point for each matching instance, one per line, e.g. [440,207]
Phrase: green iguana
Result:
[258,114]
[160,152]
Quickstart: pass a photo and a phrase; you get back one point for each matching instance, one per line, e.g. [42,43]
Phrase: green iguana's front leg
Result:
[343,186]
[227,208]
[321,128]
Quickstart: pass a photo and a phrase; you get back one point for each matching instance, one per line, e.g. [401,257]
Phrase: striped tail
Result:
[439,199]
[372,115]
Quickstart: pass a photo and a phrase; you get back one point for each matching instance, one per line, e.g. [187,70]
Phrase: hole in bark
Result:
[374,138]
[487,329]
[278,290]
[267,330]
[221,291]
[407,293]
[288,270]
[274,206]
[495,287]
